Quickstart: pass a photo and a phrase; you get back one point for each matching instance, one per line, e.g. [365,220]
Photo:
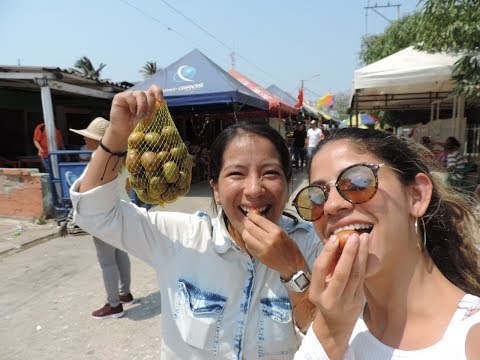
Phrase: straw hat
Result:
[95,130]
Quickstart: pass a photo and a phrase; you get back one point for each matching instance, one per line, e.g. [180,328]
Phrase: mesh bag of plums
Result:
[158,161]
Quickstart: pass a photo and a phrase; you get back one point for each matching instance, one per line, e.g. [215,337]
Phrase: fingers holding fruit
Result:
[270,244]
[341,287]
[129,107]
[142,103]
[157,159]
[343,237]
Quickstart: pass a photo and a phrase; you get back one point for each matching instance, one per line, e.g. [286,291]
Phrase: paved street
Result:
[50,289]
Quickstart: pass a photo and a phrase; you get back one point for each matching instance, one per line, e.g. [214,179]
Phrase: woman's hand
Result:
[339,293]
[129,107]
[270,244]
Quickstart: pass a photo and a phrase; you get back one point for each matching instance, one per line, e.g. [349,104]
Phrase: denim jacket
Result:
[216,300]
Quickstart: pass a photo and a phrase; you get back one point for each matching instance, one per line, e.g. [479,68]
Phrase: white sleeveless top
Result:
[364,346]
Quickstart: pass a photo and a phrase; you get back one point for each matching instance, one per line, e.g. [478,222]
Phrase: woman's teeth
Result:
[247,209]
[353,227]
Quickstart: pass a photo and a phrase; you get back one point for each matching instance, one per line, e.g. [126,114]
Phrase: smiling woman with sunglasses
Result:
[407,283]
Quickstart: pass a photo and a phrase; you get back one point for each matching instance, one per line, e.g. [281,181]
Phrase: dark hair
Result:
[451,224]
[249,128]
[452,144]
[426,140]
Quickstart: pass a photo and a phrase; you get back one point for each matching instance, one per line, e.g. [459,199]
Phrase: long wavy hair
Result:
[452,217]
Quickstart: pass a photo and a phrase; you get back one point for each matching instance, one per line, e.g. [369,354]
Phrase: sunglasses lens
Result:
[310,203]
[357,184]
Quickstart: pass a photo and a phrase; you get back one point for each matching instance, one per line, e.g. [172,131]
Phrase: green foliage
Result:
[467,78]
[342,103]
[454,26]
[441,25]
[399,35]
[84,66]
[450,25]
[149,69]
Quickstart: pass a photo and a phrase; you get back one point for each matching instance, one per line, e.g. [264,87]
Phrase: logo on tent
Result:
[185,73]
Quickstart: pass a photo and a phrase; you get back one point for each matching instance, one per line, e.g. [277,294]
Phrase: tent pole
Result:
[48,119]
[279,118]
[235,112]
[356,107]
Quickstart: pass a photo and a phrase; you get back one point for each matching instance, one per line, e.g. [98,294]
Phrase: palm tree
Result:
[149,69]
[84,66]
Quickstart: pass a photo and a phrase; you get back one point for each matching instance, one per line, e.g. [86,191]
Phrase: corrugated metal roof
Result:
[28,77]
[66,73]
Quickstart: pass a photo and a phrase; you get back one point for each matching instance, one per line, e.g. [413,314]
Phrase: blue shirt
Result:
[216,300]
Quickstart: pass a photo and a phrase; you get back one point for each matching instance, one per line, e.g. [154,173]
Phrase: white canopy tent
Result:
[409,80]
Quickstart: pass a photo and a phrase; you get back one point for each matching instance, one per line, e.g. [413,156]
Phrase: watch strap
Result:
[299,282]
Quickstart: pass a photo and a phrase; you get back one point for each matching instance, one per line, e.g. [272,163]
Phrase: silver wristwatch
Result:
[299,281]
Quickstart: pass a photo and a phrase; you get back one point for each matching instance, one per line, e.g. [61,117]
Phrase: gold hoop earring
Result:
[420,246]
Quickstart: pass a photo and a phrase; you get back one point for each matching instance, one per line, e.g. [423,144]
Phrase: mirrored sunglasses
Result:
[357,184]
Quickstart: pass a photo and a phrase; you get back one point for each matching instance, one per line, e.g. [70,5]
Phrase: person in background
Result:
[197,171]
[85,156]
[405,285]
[41,144]
[233,286]
[314,135]
[299,140]
[114,263]
[203,160]
[455,159]
[441,155]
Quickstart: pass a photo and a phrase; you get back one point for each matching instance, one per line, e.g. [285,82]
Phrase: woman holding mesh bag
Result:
[234,286]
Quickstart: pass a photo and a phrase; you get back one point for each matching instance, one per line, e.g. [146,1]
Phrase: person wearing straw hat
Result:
[115,263]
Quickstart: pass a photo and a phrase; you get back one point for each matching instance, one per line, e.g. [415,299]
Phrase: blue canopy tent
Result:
[196,80]
[275,90]
[289,99]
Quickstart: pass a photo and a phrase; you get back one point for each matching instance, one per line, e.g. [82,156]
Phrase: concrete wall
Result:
[24,193]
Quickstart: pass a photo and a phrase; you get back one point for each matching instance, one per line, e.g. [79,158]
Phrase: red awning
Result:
[276,105]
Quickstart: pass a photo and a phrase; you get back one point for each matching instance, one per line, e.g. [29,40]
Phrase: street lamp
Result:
[313,76]
[310,78]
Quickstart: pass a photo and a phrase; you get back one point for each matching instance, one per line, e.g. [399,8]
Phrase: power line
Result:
[217,39]
[195,24]
[153,18]
[202,29]
[374,9]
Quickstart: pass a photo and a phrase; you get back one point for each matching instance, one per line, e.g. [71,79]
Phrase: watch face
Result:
[302,281]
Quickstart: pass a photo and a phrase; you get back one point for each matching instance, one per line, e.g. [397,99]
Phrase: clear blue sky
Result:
[276,41]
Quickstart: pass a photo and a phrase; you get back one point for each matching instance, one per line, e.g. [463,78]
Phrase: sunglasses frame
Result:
[326,191]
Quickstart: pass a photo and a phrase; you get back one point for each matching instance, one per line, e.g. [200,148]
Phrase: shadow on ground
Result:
[145,307]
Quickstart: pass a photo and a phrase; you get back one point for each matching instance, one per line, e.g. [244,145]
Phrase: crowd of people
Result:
[255,281]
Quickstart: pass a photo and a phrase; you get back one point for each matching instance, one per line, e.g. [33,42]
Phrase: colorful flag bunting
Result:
[326,100]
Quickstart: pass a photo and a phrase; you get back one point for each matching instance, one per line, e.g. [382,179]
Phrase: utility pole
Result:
[374,9]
